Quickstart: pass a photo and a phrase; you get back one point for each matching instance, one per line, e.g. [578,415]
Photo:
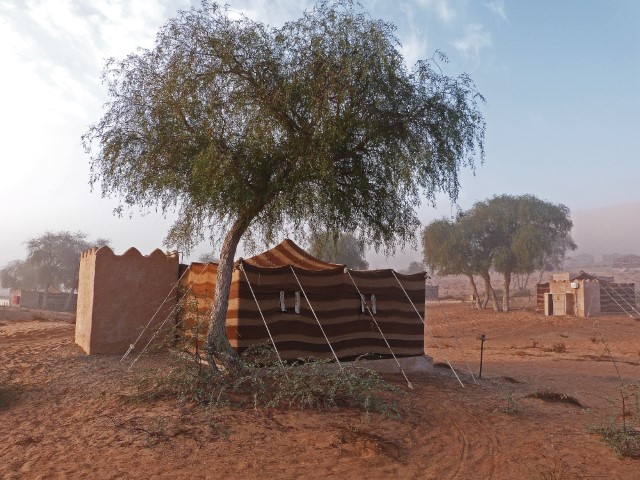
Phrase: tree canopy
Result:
[247,129]
[53,260]
[343,248]
[511,234]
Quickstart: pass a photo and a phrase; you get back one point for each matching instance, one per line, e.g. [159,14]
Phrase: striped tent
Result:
[282,280]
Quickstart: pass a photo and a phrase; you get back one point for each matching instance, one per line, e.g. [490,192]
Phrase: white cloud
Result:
[497,7]
[442,8]
[474,40]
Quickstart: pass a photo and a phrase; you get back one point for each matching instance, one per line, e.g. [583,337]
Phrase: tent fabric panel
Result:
[288,253]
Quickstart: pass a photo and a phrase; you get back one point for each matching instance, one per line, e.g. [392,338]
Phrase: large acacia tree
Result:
[248,129]
[530,234]
[507,233]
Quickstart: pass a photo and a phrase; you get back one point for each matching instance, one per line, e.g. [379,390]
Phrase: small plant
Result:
[534,344]
[624,441]
[511,406]
[555,397]
[155,432]
[559,347]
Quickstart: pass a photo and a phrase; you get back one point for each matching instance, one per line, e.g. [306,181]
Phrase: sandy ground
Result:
[67,415]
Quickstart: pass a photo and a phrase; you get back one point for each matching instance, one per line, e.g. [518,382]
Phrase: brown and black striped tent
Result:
[343,313]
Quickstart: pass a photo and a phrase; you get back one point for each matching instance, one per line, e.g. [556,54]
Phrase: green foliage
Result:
[341,248]
[53,259]
[529,233]
[510,406]
[263,382]
[624,441]
[316,124]
[19,274]
[457,247]
[511,234]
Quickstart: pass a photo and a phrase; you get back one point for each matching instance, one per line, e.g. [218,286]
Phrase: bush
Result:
[625,441]
[263,382]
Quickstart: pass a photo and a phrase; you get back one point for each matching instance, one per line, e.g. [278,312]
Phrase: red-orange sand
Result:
[66,414]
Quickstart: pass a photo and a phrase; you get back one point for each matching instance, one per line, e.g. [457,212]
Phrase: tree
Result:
[453,248]
[18,274]
[249,129]
[414,267]
[530,234]
[342,248]
[53,260]
[208,258]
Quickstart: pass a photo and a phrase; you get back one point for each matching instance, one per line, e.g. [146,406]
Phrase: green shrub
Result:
[263,382]
[625,441]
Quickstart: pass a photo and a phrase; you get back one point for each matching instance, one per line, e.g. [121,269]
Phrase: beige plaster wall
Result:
[84,306]
[119,294]
[588,296]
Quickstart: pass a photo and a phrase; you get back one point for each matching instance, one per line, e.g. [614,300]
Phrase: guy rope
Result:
[380,330]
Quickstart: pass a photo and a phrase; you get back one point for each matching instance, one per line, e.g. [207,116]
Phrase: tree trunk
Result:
[217,344]
[490,293]
[45,299]
[505,295]
[475,292]
[67,304]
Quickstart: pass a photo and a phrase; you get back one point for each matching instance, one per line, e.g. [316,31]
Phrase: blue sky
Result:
[560,79]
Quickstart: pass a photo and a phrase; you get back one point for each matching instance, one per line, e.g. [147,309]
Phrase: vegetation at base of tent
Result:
[53,260]
[341,248]
[509,234]
[260,381]
[251,130]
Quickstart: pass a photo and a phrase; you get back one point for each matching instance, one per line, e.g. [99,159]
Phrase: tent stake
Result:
[482,339]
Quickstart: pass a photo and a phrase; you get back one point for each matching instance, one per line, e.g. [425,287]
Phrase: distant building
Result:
[583,295]
[627,261]
[608,258]
[581,260]
[55,299]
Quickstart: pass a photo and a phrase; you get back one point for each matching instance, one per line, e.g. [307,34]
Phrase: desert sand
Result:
[64,414]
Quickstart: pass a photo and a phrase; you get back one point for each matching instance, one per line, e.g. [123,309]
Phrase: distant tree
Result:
[252,129]
[53,260]
[342,248]
[414,267]
[18,274]
[531,234]
[208,258]
[449,249]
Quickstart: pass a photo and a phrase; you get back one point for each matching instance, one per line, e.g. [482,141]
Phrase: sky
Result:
[560,81]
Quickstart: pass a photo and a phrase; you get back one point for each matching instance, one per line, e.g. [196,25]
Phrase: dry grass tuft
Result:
[555,397]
